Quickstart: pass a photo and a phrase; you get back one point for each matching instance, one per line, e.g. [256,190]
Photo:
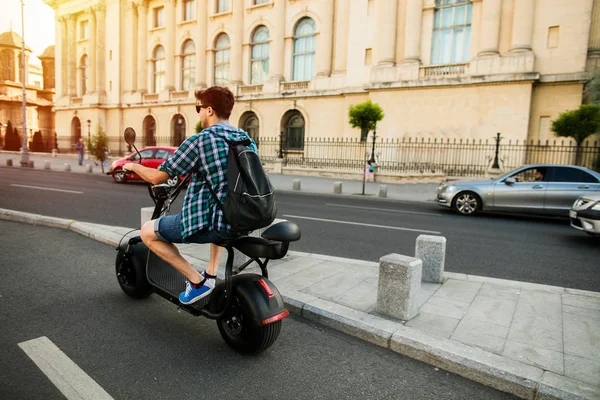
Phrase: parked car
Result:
[585,214]
[152,157]
[541,188]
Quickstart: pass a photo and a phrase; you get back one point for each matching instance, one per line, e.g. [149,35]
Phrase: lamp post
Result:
[24,152]
[496,163]
[89,142]
[1,126]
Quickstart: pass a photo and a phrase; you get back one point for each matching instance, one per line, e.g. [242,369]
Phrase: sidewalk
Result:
[533,341]
[413,192]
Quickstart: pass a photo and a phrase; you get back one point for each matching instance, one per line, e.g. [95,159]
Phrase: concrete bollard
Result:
[382,190]
[54,153]
[30,164]
[67,167]
[296,184]
[89,168]
[47,164]
[431,250]
[146,215]
[399,285]
[337,187]
[9,162]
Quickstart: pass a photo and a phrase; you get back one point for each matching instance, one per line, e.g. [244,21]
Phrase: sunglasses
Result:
[199,107]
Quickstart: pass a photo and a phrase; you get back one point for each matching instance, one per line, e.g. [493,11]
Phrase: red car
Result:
[152,157]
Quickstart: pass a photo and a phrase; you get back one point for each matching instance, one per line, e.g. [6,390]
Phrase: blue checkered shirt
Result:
[205,152]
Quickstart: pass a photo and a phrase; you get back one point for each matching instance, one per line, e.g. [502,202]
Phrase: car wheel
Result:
[119,177]
[466,203]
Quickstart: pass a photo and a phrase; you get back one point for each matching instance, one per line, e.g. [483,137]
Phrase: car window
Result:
[162,154]
[146,154]
[530,175]
[568,174]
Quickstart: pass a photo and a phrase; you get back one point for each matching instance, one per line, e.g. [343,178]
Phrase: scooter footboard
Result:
[259,297]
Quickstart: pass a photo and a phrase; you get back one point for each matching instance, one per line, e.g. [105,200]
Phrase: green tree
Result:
[97,145]
[578,124]
[365,116]
[198,126]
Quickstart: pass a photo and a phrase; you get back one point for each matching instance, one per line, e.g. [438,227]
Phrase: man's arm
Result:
[150,175]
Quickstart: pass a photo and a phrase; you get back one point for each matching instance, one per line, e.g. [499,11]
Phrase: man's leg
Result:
[169,253]
[215,256]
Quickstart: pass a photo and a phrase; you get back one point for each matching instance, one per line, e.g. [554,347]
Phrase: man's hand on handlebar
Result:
[130,166]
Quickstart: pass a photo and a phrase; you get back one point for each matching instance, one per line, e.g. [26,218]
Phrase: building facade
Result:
[39,89]
[439,68]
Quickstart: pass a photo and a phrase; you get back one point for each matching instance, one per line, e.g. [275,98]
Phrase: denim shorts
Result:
[168,229]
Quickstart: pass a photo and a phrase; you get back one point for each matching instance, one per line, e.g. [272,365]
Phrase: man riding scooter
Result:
[203,155]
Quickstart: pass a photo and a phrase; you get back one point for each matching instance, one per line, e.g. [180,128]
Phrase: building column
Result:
[522,30]
[236,62]
[100,10]
[387,17]
[277,48]
[325,41]
[131,48]
[412,38]
[91,80]
[142,46]
[490,23]
[202,14]
[61,57]
[170,6]
[342,12]
[72,67]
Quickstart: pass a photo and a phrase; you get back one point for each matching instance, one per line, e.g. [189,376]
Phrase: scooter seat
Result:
[255,247]
[284,231]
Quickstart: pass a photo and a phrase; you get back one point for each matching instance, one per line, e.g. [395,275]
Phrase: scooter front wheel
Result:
[131,275]
[242,334]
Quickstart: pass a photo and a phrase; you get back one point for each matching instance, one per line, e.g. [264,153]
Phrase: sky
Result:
[39,23]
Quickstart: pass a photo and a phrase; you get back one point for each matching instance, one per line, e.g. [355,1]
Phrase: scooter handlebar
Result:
[121,171]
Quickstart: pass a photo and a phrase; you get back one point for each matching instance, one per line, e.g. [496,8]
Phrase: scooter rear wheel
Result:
[131,275]
[242,334]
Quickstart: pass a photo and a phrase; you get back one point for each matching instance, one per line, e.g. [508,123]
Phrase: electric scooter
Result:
[247,307]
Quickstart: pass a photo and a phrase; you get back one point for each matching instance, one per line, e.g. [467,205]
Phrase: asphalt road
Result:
[60,285]
[540,250]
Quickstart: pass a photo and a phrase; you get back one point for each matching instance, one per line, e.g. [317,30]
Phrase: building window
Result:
[553,37]
[7,66]
[259,58]
[75,130]
[188,65]
[223,6]
[257,2]
[159,17]
[188,10]
[304,50]
[83,69]
[368,56]
[451,32]
[159,69]
[149,127]
[222,47]
[293,131]
[178,130]
[249,123]
[83,29]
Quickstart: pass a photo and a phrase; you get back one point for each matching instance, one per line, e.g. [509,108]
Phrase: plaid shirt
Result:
[205,152]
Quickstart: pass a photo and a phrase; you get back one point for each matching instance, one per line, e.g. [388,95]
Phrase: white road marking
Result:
[383,209]
[46,188]
[72,382]
[398,228]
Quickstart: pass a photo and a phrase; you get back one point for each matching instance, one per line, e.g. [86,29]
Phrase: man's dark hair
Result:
[219,98]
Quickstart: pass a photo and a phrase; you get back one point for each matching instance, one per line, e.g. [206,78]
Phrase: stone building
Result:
[439,68]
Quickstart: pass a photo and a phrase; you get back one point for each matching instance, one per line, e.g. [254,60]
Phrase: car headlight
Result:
[449,189]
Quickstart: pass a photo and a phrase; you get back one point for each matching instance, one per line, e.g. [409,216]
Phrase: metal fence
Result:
[453,157]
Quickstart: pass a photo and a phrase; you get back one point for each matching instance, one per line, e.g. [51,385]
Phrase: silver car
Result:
[541,188]
[585,214]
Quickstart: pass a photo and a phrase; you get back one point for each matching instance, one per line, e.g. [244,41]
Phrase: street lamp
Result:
[89,143]
[24,152]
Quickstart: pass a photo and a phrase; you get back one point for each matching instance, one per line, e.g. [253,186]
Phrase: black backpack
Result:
[250,201]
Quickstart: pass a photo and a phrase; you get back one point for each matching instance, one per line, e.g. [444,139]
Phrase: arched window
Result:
[7,66]
[159,69]
[83,68]
[188,65]
[305,44]
[149,131]
[177,130]
[293,129]
[75,130]
[222,47]
[249,123]
[259,57]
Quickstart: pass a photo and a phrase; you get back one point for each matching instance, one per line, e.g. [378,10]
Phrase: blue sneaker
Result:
[193,294]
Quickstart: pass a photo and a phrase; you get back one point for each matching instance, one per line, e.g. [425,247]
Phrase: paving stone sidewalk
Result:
[534,341]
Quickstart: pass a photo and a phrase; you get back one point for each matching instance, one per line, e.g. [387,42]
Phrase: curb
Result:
[514,377]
